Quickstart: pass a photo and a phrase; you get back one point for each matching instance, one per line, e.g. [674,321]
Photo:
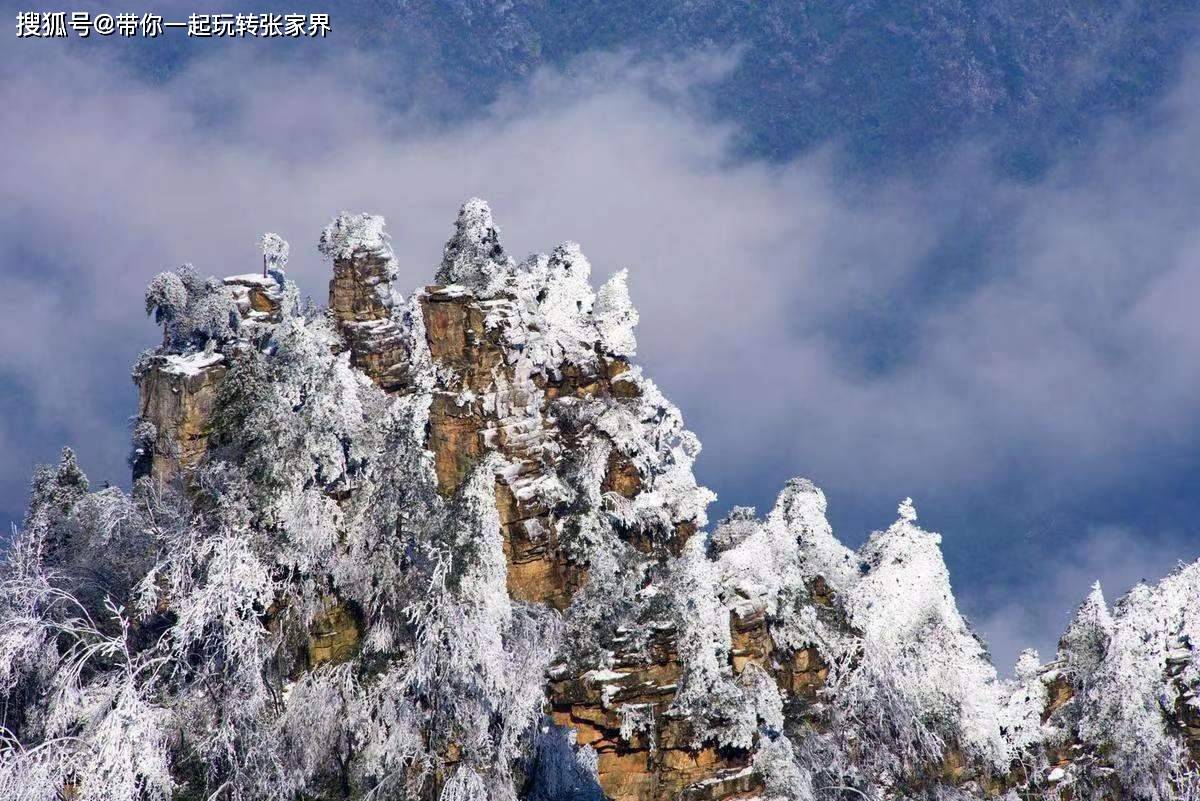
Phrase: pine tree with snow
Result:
[54,493]
[166,299]
[1082,647]
[474,257]
[616,316]
[195,312]
[275,251]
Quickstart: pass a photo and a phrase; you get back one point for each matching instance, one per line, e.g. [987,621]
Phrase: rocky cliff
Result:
[450,546]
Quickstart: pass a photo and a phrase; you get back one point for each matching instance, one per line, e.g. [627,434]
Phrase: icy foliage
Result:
[474,257]
[908,678]
[545,311]
[614,599]
[762,696]
[550,315]
[195,312]
[786,779]
[1131,693]
[566,296]
[96,731]
[350,234]
[708,695]
[648,431]
[54,493]
[299,418]
[1021,715]
[923,673]
[639,719]
[212,315]
[616,316]
[799,514]
[768,565]
[231,577]
[465,785]
[563,771]
[275,251]
[1082,647]
[544,305]
[313,611]
[166,297]
[479,659]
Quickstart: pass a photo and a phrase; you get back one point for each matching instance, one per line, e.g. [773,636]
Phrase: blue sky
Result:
[946,250]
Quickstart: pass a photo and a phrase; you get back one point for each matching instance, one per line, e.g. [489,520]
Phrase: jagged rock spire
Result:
[363,267]
[363,298]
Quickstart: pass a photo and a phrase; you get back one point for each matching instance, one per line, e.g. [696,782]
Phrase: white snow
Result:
[1128,689]
[323,497]
[474,258]
[348,234]
[251,279]
[616,316]
[190,364]
[275,251]
[917,645]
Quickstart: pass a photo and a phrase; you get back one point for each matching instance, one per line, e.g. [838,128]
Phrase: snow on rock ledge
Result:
[461,531]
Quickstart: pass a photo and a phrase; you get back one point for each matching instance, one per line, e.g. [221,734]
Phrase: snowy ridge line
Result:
[450,547]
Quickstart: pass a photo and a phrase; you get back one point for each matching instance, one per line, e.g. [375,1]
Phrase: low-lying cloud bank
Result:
[803,325]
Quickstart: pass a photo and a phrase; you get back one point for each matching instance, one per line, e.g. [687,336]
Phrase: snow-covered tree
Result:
[275,251]
[478,657]
[54,493]
[474,257]
[1082,647]
[563,771]
[166,298]
[922,682]
[348,234]
[1024,706]
[195,312]
[1129,696]
[616,316]
[708,696]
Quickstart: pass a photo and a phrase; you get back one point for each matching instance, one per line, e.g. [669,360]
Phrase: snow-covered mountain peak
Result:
[449,545]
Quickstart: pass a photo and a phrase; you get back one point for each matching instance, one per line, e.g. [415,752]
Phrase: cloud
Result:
[806,322]
[119,178]
[1117,557]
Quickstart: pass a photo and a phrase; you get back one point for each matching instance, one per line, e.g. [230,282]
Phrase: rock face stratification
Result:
[450,546]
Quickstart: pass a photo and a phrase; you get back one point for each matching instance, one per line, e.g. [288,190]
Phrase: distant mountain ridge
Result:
[892,82]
